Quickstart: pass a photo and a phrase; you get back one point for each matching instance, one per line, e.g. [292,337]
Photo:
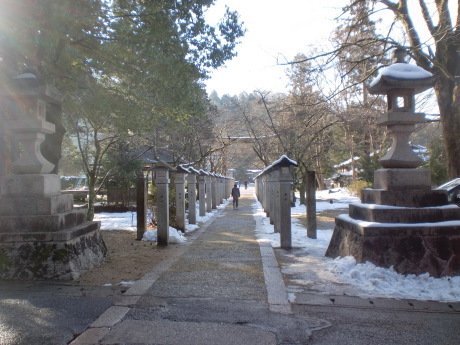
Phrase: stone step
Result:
[30,185]
[56,236]
[395,214]
[404,198]
[42,223]
[63,255]
[28,206]
[410,248]
[365,228]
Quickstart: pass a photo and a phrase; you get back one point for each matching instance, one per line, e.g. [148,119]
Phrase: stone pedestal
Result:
[402,179]
[179,182]
[41,235]
[191,189]
[208,182]
[411,248]
[222,183]
[214,196]
[162,197]
[276,202]
[202,195]
[141,206]
[404,224]
[284,215]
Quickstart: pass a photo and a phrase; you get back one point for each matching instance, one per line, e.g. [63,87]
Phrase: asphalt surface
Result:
[224,287]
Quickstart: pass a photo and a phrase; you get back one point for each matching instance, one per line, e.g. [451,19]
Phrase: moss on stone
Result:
[61,255]
[4,262]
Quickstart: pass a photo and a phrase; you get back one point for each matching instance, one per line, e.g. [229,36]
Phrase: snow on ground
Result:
[311,269]
[117,221]
[128,221]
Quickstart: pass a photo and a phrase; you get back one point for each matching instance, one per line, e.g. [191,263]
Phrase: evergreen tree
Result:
[127,67]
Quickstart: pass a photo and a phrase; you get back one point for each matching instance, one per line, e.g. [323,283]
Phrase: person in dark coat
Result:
[235,195]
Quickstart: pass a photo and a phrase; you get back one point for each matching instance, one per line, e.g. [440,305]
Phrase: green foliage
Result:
[357,186]
[120,167]
[127,67]
[367,165]
[437,162]
[70,163]
[152,196]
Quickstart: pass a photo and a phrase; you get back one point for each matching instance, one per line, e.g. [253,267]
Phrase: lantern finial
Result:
[400,55]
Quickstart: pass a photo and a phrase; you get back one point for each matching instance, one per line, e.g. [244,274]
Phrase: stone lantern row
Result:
[273,190]
[212,190]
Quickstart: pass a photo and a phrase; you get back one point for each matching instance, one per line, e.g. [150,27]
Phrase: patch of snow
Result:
[367,224]
[310,267]
[117,221]
[175,236]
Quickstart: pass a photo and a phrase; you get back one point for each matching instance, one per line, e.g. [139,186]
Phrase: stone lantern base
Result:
[406,225]
[41,235]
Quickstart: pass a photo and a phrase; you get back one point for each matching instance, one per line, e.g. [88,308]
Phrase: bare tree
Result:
[442,57]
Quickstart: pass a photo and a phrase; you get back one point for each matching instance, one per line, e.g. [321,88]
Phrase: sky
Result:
[279,30]
[276,32]
[309,265]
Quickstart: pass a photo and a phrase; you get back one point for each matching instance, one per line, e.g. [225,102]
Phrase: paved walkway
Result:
[214,293]
[224,287]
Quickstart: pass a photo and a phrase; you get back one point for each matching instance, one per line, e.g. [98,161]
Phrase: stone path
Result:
[214,293]
[223,287]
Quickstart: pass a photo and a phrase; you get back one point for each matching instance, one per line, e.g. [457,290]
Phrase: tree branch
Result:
[427,17]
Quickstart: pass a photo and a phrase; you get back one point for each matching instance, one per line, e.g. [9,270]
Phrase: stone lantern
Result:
[42,236]
[26,99]
[401,222]
[400,82]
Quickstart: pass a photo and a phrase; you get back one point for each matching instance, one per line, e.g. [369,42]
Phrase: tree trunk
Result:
[311,205]
[319,169]
[450,120]
[302,190]
[448,95]
[91,197]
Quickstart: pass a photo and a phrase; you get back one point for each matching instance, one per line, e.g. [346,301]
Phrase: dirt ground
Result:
[127,260]
[325,220]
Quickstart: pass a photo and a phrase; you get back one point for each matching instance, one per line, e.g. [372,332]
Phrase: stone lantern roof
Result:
[402,75]
[28,84]
[181,169]
[401,81]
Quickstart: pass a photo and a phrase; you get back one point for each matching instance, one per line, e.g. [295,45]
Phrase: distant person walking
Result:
[245,184]
[235,195]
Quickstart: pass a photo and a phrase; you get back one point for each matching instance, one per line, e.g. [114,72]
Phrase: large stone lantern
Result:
[400,82]
[401,222]
[42,236]
[26,99]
